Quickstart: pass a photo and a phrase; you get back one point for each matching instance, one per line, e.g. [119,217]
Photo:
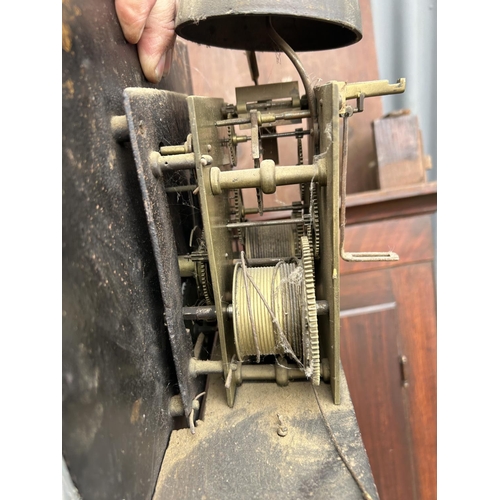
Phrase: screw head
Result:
[282,431]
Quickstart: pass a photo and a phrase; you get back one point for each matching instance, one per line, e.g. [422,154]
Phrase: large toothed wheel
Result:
[311,333]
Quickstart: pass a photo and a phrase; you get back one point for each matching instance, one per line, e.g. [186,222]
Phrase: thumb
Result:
[155,48]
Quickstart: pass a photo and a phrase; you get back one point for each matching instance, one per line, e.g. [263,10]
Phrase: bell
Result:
[243,24]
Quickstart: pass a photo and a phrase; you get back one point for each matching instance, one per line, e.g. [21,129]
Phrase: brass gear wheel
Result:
[231,146]
[238,212]
[206,286]
[315,220]
[312,355]
[299,228]
[309,197]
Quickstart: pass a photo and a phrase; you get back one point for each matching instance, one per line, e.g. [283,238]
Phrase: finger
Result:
[132,15]
[156,45]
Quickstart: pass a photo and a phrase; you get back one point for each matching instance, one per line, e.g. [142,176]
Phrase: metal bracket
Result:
[361,90]
[354,256]
[271,96]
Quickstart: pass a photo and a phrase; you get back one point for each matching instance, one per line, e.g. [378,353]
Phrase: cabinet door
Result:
[388,313]
[415,295]
[371,359]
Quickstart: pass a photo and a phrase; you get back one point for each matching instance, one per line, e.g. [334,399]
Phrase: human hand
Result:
[150,24]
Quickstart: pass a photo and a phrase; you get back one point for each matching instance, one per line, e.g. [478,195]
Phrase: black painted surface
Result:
[146,111]
[242,24]
[117,364]
[237,452]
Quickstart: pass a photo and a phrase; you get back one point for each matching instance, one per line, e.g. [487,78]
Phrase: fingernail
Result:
[140,33]
[168,62]
[160,68]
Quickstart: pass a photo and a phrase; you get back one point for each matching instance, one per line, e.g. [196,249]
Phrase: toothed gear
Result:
[231,146]
[300,152]
[205,285]
[315,221]
[313,358]
[307,231]
[303,192]
[238,212]
[299,232]
[306,199]
[299,228]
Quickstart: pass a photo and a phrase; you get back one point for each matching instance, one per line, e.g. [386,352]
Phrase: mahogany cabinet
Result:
[388,337]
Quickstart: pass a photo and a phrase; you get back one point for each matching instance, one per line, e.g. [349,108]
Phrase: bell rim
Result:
[233,31]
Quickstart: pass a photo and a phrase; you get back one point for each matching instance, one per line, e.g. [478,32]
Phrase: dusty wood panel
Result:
[409,237]
[370,356]
[117,367]
[414,287]
[237,453]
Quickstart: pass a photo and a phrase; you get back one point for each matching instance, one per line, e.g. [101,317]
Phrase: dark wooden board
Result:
[117,367]
[370,355]
[395,419]
[237,453]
